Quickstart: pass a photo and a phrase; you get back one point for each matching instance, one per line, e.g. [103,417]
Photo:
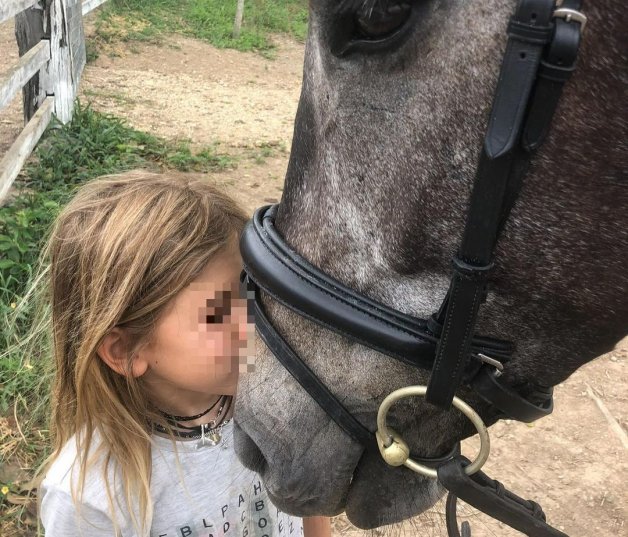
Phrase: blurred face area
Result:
[203,341]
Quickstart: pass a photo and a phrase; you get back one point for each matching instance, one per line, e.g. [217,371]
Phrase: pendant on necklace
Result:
[214,437]
[211,438]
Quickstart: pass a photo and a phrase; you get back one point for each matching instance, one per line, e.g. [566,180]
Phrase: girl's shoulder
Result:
[63,466]
[64,511]
[64,474]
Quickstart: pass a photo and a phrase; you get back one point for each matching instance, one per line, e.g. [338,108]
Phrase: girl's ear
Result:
[113,351]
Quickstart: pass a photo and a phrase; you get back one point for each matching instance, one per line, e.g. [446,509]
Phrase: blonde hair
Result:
[119,252]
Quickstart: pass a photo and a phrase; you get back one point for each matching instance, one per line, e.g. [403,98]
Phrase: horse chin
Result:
[296,491]
[380,494]
[372,493]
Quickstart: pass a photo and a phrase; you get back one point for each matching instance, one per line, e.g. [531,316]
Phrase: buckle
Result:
[571,15]
[499,367]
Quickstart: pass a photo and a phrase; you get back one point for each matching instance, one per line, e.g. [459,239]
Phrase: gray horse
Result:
[386,143]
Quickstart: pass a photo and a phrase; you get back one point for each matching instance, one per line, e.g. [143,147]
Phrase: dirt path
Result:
[572,462]
[189,90]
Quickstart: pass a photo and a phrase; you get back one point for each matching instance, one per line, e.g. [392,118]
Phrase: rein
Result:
[543,41]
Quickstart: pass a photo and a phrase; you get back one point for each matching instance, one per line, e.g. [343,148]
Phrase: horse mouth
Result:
[294,497]
[371,493]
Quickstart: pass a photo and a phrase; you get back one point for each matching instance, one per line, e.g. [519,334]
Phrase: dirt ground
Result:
[573,463]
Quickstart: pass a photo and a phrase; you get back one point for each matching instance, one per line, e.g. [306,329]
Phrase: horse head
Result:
[394,107]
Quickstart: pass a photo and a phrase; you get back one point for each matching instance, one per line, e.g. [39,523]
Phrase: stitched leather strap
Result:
[309,381]
[319,391]
[295,283]
[492,498]
[513,405]
[556,68]
[287,277]
[511,137]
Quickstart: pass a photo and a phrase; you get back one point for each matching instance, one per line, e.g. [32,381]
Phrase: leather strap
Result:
[512,404]
[295,283]
[556,68]
[309,381]
[493,499]
[510,139]
[330,404]
[270,264]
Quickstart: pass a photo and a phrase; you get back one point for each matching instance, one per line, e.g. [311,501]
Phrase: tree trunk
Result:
[237,25]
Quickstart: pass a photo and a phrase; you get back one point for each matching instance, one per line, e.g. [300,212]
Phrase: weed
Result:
[91,51]
[210,20]
[264,150]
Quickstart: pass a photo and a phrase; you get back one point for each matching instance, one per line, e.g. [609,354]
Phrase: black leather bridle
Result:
[543,41]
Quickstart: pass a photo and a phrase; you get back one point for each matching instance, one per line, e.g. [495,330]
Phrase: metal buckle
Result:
[490,361]
[571,15]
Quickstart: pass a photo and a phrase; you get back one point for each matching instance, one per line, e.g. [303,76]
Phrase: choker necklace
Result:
[208,434]
[174,417]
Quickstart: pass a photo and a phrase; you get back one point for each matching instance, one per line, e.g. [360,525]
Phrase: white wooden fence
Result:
[51,42]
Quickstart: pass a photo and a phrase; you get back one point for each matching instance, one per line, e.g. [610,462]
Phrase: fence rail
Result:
[52,46]
[10,8]
[23,146]
[28,66]
[90,5]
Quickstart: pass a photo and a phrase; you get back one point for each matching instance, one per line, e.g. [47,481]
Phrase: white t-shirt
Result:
[207,493]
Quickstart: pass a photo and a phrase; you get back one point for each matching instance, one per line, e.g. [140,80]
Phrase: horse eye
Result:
[380,22]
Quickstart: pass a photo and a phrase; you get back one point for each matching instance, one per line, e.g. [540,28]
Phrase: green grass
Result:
[92,144]
[209,20]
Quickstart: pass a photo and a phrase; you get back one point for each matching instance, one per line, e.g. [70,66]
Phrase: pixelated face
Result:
[205,339]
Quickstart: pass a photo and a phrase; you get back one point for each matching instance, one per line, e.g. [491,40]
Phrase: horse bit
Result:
[543,41]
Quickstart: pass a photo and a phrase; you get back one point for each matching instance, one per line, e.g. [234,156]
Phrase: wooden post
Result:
[237,25]
[29,30]
[67,55]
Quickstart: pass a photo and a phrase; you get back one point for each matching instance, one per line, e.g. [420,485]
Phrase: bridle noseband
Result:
[543,41]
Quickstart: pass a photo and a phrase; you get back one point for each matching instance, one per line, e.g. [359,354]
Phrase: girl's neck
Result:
[190,408]
[172,399]
[219,410]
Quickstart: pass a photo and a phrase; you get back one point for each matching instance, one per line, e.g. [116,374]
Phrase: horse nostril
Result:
[377,23]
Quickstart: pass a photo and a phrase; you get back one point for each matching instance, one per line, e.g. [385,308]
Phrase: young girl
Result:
[149,334]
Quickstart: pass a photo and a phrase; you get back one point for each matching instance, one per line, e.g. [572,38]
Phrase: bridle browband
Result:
[543,41]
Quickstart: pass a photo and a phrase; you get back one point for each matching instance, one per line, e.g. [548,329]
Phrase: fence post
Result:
[237,24]
[29,30]
[67,55]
